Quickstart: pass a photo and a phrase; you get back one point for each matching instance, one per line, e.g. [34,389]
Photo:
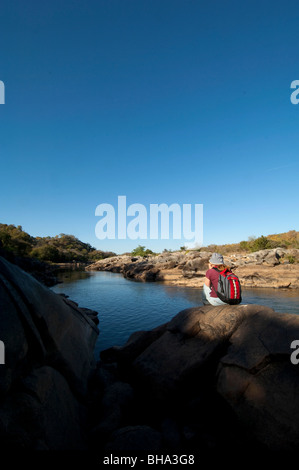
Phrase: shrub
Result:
[46,253]
[13,239]
[141,251]
[262,243]
[244,246]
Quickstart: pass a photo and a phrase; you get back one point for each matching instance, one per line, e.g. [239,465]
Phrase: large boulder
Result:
[116,401]
[192,338]
[29,415]
[258,380]
[135,345]
[221,375]
[49,359]
[196,267]
[135,439]
[140,271]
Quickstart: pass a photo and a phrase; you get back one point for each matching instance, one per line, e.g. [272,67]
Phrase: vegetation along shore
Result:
[271,261]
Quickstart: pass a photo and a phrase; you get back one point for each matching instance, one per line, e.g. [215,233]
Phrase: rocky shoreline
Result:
[210,381]
[277,268]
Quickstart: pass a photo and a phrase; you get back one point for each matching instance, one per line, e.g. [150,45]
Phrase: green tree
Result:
[15,240]
[46,253]
[59,249]
[141,251]
[262,243]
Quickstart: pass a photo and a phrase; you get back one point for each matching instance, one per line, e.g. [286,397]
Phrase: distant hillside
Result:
[290,239]
[59,249]
[284,240]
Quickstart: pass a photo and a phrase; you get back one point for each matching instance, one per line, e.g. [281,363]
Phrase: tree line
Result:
[59,249]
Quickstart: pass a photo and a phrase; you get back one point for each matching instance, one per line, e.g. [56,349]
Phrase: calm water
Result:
[127,306]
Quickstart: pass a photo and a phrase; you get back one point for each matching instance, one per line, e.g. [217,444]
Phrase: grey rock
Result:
[105,375]
[191,339]
[136,344]
[272,259]
[60,333]
[116,402]
[49,351]
[118,394]
[139,438]
[43,414]
[14,339]
[258,380]
[171,434]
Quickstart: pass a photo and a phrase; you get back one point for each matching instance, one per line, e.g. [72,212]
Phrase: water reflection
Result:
[67,275]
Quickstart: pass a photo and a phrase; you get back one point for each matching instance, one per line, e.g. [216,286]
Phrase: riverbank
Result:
[276,268]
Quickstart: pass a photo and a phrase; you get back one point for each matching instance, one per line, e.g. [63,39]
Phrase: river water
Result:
[126,306]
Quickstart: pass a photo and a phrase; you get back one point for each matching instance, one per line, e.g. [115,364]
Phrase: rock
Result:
[272,258]
[30,414]
[136,343]
[258,380]
[49,351]
[189,433]
[191,339]
[105,375]
[279,276]
[171,434]
[113,264]
[55,398]
[196,267]
[135,439]
[102,431]
[116,402]
[61,335]
[142,271]
[14,339]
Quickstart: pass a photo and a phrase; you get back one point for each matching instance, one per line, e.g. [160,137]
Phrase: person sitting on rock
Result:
[209,295]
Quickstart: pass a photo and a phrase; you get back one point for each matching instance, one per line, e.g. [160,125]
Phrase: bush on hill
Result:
[141,251]
[284,240]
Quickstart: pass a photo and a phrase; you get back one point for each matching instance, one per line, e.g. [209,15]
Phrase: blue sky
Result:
[164,101]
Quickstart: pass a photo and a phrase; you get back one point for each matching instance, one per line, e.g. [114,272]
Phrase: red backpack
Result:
[229,287]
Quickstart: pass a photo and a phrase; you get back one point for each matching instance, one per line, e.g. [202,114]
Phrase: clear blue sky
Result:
[174,101]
